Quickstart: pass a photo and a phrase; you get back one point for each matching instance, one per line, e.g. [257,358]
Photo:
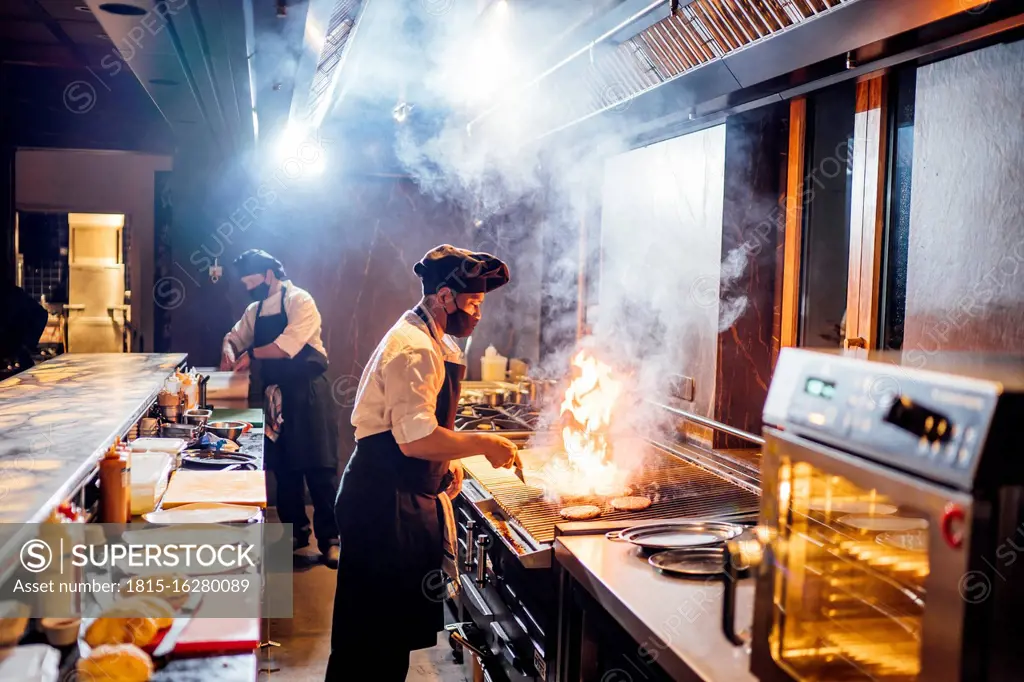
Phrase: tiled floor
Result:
[305,639]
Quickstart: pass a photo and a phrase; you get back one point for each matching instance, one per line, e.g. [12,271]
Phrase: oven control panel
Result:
[884,412]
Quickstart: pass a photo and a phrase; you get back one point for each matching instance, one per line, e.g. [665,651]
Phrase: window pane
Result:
[894,292]
[827,212]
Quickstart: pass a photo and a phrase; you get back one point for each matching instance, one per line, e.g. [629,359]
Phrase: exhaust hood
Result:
[705,50]
[658,13]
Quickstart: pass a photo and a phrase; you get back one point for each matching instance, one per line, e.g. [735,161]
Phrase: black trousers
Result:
[291,503]
[378,662]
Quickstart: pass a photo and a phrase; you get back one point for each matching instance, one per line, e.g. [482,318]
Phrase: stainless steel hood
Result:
[707,49]
[195,61]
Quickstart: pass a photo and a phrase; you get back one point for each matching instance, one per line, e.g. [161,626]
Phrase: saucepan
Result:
[537,391]
[229,430]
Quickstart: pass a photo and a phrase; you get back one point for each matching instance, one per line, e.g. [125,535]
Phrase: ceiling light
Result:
[123,9]
[82,8]
[104,36]
[289,141]
[318,166]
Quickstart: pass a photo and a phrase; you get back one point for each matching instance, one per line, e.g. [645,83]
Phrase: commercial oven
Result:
[892,520]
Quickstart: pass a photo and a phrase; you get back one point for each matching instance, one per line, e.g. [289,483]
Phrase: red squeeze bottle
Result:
[114,489]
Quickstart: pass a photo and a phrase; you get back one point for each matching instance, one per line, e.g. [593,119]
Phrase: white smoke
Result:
[734,266]
[453,65]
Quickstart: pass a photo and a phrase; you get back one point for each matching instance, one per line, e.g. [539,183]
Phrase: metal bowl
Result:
[229,430]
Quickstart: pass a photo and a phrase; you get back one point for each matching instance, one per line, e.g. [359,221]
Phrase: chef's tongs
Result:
[517,463]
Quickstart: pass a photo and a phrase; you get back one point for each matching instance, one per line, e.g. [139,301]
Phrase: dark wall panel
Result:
[965,282]
[752,225]
[351,242]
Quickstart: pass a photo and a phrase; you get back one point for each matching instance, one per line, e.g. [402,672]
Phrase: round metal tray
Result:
[216,460]
[691,562]
[681,534]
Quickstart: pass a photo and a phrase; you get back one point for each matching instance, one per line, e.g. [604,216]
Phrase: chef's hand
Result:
[500,451]
[456,486]
[241,363]
[227,358]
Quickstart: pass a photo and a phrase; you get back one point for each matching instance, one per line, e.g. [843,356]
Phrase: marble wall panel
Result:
[661,232]
[965,273]
[753,224]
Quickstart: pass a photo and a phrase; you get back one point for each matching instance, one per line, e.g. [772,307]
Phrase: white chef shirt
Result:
[399,387]
[303,321]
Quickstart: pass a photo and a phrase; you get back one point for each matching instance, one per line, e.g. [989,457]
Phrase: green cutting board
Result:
[253,416]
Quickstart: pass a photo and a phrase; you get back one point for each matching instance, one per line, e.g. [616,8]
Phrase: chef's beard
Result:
[460,324]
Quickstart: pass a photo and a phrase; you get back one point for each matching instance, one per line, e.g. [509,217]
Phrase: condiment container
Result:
[517,369]
[13,622]
[149,475]
[493,365]
[114,487]
[125,451]
[61,632]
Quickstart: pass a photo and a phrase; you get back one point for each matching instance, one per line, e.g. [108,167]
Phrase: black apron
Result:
[309,433]
[390,580]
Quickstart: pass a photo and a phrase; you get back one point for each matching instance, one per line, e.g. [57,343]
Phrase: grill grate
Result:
[676,488]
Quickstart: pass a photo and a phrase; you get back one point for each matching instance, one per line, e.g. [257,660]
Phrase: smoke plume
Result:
[662,275]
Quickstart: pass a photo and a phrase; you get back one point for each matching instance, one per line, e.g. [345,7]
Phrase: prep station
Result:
[57,420]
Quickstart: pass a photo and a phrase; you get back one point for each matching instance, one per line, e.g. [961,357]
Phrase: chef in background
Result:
[391,507]
[22,322]
[281,330]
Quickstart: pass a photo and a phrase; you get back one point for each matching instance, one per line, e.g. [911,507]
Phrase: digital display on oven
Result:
[820,388]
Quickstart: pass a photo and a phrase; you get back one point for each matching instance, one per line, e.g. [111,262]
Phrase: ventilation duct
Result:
[708,49]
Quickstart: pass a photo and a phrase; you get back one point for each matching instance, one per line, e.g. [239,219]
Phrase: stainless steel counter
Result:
[57,418]
[674,621]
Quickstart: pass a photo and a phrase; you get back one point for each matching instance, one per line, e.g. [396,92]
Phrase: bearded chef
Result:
[391,507]
[281,331]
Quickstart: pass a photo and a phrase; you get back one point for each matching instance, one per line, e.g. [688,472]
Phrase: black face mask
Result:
[259,292]
[460,323]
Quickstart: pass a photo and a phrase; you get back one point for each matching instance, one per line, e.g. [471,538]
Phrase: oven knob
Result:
[953,525]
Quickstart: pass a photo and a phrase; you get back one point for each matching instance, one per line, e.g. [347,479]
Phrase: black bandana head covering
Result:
[256,262]
[464,272]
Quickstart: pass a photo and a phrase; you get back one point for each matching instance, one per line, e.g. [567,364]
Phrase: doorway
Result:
[75,265]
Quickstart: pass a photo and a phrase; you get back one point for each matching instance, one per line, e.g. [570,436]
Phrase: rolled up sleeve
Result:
[303,324]
[241,335]
[411,382]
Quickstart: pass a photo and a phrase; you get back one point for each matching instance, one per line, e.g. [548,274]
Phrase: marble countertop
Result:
[57,419]
[675,621]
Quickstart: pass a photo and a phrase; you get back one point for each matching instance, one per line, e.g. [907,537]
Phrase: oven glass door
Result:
[849,592]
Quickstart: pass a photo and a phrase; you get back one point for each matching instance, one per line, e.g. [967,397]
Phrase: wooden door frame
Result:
[794,228]
[867,229]
[867,224]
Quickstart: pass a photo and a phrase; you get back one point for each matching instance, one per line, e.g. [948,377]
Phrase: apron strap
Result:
[259,307]
[422,314]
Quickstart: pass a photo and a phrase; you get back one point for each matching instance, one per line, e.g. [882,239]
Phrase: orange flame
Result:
[586,412]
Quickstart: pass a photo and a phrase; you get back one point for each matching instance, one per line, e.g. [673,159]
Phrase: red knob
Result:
[953,525]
